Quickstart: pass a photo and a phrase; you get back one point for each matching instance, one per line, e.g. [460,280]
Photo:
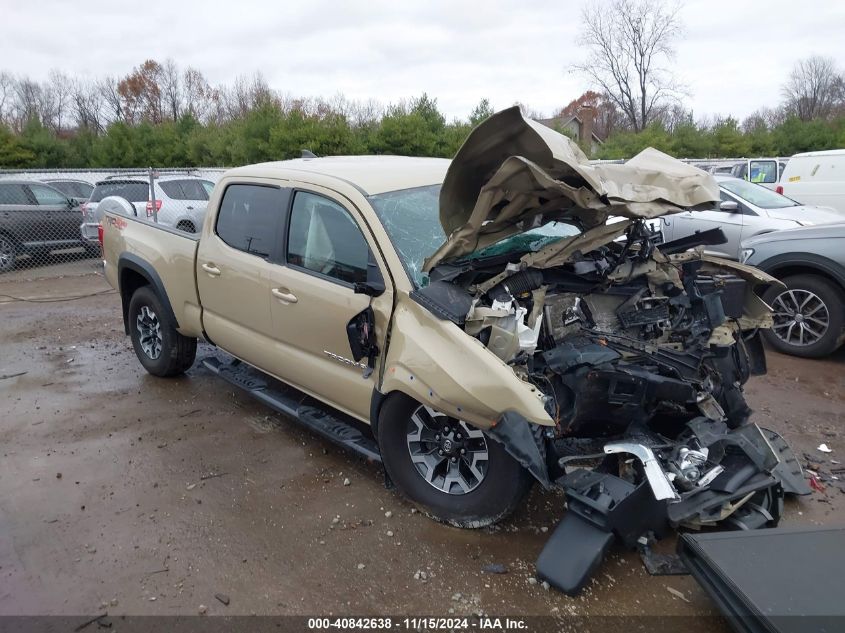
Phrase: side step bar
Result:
[333,425]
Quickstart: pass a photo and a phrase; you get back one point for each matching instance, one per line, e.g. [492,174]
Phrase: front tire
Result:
[159,347]
[469,489]
[809,315]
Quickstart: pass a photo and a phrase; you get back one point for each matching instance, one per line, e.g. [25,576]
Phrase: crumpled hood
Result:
[513,174]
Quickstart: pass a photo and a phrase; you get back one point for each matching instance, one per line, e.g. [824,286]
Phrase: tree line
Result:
[159,115]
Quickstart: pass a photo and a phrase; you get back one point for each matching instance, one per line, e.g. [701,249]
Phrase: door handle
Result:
[211,269]
[189,208]
[284,297]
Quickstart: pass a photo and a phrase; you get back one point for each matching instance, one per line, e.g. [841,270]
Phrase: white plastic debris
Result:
[677,594]
[824,448]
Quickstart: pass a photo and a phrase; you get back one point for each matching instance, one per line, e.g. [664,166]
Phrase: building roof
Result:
[369,174]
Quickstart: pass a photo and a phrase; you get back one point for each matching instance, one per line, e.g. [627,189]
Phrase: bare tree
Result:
[7,88]
[763,118]
[366,113]
[171,87]
[629,43]
[198,95]
[34,101]
[88,106]
[111,97]
[814,88]
[61,87]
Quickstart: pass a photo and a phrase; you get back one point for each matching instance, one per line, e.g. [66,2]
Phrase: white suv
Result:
[179,201]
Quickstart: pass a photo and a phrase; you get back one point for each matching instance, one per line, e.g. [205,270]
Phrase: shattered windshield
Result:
[528,242]
[411,218]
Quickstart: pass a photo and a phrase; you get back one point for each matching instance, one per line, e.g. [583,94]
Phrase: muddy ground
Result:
[123,492]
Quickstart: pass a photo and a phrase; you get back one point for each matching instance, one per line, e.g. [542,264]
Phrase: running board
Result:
[333,425]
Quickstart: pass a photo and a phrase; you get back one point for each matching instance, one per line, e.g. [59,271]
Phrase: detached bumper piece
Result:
[601,507]
[786,580]
[643,488]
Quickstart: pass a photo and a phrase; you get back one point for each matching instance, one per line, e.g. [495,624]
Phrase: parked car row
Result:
[746,210]
[176,201]
[802,245]
[811,178]
[41,217]
[36,218]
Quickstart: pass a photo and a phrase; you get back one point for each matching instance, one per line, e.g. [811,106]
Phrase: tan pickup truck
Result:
[488,323]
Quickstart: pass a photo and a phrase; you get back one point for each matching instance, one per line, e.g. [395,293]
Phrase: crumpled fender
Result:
[438,364]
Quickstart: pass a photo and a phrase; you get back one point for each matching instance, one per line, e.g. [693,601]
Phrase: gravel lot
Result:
[123,492]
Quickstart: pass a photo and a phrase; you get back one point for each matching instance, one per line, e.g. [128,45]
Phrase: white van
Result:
[816,178]
[763,171]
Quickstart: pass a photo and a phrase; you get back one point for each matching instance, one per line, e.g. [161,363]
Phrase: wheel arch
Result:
[133,273]
[782,266]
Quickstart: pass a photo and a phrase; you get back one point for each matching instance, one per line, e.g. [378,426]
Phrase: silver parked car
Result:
[180,201]
[809,313]
[746,210]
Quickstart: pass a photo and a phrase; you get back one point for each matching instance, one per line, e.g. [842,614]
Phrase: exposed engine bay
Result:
[640,350]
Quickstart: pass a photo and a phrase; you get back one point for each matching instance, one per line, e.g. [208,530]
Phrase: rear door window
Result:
[250,216]
[172,189]
[325,239]
[47,196]
[14,194]
[184,189]
[193,190]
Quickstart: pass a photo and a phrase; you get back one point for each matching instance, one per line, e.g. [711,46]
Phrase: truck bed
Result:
[167,255]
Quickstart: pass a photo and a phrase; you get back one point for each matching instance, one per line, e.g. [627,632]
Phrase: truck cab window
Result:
[325,239]
[249,216]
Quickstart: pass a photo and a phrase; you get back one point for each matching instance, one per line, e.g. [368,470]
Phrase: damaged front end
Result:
[638,350]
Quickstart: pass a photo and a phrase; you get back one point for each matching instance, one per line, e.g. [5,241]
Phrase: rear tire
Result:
[159,347]
[186,226]
[472,504]
[810,307]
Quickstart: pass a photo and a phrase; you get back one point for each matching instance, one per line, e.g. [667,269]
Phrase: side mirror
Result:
[71,203]
[730,206]
[374,286]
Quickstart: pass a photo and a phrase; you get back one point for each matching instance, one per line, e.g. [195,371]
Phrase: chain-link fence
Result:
[51,218]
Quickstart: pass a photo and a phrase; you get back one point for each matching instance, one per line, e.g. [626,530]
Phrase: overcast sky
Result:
[733,57]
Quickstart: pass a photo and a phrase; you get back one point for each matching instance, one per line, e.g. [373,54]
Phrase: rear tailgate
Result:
[167,255]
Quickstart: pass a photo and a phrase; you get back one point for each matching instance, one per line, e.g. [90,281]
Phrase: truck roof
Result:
[369,174]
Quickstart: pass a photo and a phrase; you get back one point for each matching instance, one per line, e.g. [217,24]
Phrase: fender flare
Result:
[129,261]
[821,263]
